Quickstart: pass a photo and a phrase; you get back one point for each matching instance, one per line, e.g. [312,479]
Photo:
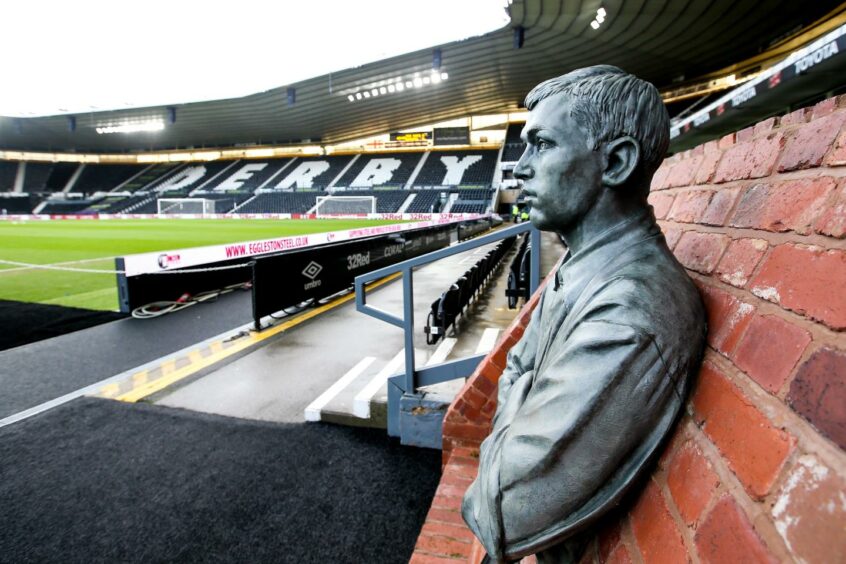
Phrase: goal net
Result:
[332,205]
[196,206]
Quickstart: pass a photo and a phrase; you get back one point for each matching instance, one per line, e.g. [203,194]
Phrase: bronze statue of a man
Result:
[598,380]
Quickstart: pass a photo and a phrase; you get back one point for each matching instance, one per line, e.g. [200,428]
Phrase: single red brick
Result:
[824,108]
[465,430]
[659,179]
[837,155]
[683,171]
[719,207]
[833,220]
[810,512]
[740,260]
[801,115]
[448,530]
[446,490]
[620,556]
[750,160]
[672,235]
[486,386]
[770,349]
[726,535]
[728,318]
[701,251]
[661,203]
[443,546]
[754,449]
[444,502]
[423,558]
[818,393]
[444,516]
[658,538]
[487,371]
[792,205]
[456,480]
[726,141]
[807,280]
[690,205]
[692,482]
[808,144]
[764,127]
[745,134]
[706,171]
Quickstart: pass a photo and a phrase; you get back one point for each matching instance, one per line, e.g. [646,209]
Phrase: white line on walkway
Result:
[361,403]
[488,340]
[312,412]
[442,351]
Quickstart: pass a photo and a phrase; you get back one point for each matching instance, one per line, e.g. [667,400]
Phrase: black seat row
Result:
[518,274]
[464,291]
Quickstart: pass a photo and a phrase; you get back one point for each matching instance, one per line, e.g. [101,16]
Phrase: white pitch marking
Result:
[442,351]
[488,340]
[361,403]
[312,412]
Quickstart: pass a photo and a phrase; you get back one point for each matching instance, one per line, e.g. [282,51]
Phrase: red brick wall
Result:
[756,470]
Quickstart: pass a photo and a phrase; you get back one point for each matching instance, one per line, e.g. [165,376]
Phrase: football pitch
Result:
[93,244]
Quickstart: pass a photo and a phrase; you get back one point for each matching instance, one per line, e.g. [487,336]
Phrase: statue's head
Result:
[593,135]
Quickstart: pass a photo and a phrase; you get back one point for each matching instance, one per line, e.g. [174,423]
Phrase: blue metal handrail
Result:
[415,378]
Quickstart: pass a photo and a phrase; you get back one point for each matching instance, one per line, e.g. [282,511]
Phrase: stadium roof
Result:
[664,42]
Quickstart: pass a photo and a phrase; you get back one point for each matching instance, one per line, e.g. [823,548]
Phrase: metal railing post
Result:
[408,318]
[534,264]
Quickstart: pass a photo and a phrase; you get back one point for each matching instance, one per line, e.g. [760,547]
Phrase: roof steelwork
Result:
[660,40]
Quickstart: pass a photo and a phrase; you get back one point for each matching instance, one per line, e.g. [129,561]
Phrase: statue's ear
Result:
[622,157]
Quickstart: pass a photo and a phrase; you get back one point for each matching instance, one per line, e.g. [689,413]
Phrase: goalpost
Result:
[341,205]
[195,206]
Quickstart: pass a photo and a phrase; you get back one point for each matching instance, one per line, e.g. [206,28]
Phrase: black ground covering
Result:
[25,323]
[102,481]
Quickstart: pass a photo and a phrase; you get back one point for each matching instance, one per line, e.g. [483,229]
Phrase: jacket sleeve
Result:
[562,433]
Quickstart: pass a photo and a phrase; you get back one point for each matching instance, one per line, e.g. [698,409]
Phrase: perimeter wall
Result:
[756,470]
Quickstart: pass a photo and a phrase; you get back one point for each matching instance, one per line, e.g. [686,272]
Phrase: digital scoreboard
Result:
[411,136]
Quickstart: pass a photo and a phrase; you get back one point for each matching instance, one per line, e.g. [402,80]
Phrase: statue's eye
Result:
[543,145]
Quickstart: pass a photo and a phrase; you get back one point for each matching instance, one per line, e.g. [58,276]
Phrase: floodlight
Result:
[358,95]
[366,94]
[594,24]
[383,90]
[601,12]
[391,88]
[418,82]
[408,84]
[444,76]
[351,98]
[400,87]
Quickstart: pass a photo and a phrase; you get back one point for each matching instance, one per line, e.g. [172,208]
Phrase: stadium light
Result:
[594,24]
[131,127]
[600,17]
[395,84]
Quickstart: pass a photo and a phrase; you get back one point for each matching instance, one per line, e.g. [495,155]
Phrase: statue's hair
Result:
[608,103]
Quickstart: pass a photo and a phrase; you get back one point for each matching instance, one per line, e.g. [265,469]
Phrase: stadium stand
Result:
[387,201]
[105,177]
[280,202]
[16,203]
[147,177]
[314,173]
[59,176]
[64,207]
[190,177]
[246,176]
[425,201]
[8,173]
[36,175]
[514,146]
[458,168]
[381,169]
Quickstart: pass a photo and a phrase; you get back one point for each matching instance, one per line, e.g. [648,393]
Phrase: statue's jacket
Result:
[589,393]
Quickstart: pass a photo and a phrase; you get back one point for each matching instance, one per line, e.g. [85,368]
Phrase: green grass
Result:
[98,242]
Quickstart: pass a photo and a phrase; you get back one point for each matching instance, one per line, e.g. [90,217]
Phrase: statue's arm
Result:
[596,399]
[520,361]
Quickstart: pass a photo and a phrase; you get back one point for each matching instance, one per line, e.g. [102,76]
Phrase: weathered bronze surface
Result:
[598,379]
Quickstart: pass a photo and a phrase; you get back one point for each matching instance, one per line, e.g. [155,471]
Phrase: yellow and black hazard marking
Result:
[144,383]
